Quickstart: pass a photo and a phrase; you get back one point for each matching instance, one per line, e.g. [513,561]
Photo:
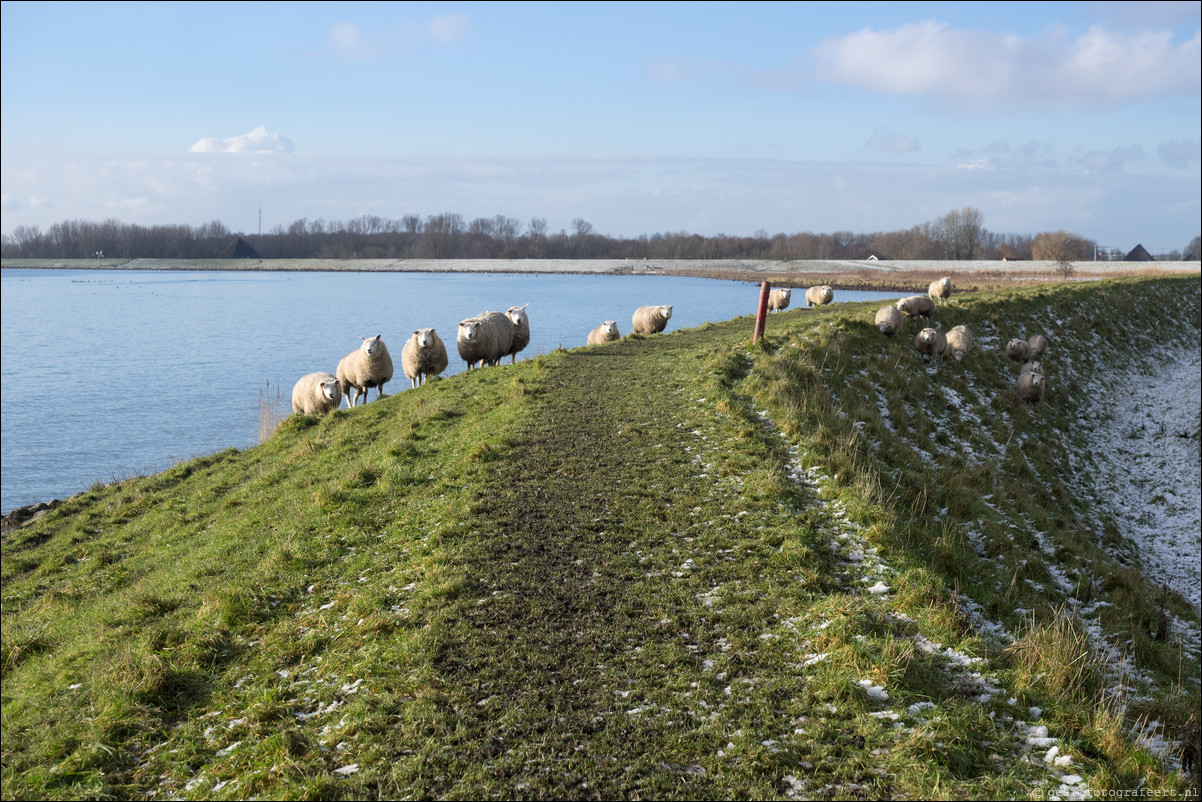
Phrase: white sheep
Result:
[941,289]
[521,330]
[1032,367]
[916,306]
[931,341]
[1038,344]
[819,296]
[779,299]
[606,332]
[368,366]
[316,394]
[888,320]
[650,319]
[1030,387]
[424,355]
[1018,350]
[959,341]
[484,338]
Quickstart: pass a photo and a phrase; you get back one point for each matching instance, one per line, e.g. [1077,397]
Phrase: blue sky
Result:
[638,117]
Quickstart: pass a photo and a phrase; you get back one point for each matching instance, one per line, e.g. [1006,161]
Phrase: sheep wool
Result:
[316,394]
[888,320]
[650,319]
[819,296]
[959,341]
[1030,387]
[1032,367]
[368,366]
[779,299]
[941,289]
[521,330]
[606,332]
[484,339]
[424,355]
[916,306]
[1018,350]
[1038,344]
[930,341]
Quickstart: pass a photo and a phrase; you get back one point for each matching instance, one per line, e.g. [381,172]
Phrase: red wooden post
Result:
[761,315]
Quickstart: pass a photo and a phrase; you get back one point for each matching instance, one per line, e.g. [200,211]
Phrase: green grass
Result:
[602,573]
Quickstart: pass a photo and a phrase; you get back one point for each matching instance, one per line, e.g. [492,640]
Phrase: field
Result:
[674,567]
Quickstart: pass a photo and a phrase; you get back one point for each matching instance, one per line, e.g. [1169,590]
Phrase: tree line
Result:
[959,234]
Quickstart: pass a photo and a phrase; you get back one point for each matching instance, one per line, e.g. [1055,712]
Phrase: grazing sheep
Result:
[888,320]
[819,296]
[368,366]
[1018,350]
[779,299]
[930,341]
[521,330]
[916,306]
[940,290]
[316,394]
[424,355]
[650,319]
[1038,344]
[1032,367]
[606,332]
[959,341]
[1030,387]
[484,338]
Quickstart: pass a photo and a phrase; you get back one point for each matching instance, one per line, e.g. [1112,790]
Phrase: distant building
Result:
[1138,254]
[239,249]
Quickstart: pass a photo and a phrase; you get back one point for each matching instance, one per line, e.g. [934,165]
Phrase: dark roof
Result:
[1138,254]
[239,249]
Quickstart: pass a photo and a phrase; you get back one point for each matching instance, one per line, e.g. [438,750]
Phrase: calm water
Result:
[106,374]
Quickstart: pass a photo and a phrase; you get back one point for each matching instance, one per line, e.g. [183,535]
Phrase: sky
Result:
[640,118]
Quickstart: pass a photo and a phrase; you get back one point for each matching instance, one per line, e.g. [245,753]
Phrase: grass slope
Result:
[669,567]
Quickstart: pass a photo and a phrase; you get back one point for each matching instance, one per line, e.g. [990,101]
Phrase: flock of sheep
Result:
[483,339]
[931,342]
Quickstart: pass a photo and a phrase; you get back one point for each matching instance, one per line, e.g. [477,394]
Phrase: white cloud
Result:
[936,60]
[1111,161]
[447,29]
[347,41]
[260,140]
[885,141]
[1178,153]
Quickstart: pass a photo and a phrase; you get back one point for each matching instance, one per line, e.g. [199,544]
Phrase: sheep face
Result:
[331,390]
[424,338]
[517,314]
[371,345]
[610,327]
[469,330]
[666,311]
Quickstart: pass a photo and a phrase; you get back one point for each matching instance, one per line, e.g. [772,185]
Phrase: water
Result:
[108,374]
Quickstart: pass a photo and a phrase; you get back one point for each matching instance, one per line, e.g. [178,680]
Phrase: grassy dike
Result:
[669,567]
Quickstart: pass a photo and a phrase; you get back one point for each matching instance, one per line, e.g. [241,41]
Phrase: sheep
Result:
[931,341]
[779,299]
[1030,387]
[484,338]
[1038,344]
[959,341]
[888,320]
[650,319]
[1032,367]
[521,330]
[316,394]
[606,332]
[916,306]
[819,296]
[424,355]
[368,366]
[1018,350]
[941,289]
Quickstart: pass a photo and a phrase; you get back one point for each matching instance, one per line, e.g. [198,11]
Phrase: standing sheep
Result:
[888,320]
[1038,344]
[368,366]
[779,299]
[650,319]
[606,332]
[916,306]
[1032,367]
[521,330]
[930,341]
[819,296]
[1018,350]
[424,355]
[941,289]
[484,339]
[959,341]
[316,394]
[1030,387]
